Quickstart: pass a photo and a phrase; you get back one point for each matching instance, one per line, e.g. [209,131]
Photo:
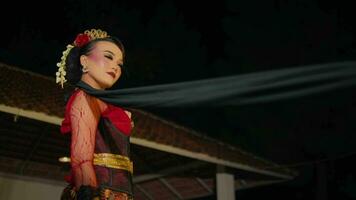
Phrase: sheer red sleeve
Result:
[84,116]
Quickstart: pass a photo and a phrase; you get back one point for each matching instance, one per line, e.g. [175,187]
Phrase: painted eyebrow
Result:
[109,52]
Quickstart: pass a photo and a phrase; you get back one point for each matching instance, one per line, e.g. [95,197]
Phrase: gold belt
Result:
[109,160]
[113,161]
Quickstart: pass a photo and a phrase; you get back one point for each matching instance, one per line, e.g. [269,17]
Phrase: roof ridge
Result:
[202,135]
[13,67]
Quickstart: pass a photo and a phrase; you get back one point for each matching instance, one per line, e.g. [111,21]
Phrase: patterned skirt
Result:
[69,193]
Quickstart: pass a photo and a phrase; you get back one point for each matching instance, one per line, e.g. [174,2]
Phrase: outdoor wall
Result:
[26,188]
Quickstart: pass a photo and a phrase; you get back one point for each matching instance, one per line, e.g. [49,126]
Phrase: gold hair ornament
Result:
[81,40]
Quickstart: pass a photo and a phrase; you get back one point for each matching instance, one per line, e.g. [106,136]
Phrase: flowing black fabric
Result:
[235,90]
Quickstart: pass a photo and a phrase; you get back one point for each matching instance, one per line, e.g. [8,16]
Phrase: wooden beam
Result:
[144,192]
[160,174]
[244,184]
[31,114]
[202,183]
[204,157]
[170,188]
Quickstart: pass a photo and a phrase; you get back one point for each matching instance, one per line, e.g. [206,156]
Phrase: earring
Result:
[85,69]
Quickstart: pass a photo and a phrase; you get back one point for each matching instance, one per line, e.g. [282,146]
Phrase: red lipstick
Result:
[112,74]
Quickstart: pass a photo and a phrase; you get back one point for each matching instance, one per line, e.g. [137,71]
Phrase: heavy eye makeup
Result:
[110,57]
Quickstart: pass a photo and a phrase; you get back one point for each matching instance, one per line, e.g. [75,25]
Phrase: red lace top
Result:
[82,115]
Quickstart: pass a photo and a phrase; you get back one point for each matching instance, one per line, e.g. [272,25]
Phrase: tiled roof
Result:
[38,97]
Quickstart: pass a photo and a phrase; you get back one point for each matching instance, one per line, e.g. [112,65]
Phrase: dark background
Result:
[173,41]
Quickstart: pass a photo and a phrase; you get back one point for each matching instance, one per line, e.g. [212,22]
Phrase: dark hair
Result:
[73,66]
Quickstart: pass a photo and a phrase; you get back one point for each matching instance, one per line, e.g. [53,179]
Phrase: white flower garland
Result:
[61,73]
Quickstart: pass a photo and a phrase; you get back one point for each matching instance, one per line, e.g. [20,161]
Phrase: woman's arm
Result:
[84,116]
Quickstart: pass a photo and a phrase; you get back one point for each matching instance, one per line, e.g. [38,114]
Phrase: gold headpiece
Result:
[96,33]
[81,40]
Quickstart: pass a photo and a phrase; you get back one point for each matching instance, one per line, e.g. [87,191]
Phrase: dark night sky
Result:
[171,41]
[265,35]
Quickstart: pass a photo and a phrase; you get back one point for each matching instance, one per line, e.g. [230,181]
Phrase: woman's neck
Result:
[88,80]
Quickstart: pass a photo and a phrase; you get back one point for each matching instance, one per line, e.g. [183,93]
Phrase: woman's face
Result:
[104,64]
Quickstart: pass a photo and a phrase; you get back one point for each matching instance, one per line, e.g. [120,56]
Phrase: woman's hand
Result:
[129,114]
